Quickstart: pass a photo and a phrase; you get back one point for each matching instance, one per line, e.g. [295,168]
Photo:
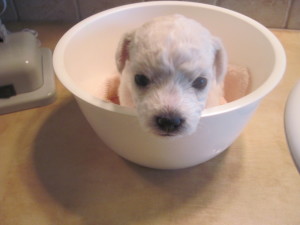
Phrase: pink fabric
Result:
[236,83]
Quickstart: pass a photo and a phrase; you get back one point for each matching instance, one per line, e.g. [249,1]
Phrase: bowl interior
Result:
[84,57]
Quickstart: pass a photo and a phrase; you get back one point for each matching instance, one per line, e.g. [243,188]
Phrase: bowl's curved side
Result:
[124,135]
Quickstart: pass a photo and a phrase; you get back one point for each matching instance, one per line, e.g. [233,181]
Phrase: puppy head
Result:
[168,66]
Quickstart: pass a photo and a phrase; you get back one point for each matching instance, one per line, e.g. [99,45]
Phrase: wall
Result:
[272,13]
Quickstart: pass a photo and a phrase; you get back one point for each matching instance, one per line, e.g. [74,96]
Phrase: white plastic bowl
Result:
[292,123]
[85,56]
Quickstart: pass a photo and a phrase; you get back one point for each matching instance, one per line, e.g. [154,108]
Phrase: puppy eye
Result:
[199,83]
[141,80]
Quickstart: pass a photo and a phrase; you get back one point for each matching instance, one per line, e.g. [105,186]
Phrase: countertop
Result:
[55,170]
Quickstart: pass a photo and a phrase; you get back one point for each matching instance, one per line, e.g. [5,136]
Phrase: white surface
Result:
[292,123]
[86,54]
[44,95]
[20,62]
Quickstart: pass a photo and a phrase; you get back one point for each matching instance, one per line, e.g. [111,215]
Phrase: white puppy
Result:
[171,69]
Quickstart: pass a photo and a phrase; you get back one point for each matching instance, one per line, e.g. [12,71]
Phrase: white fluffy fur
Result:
[172,51]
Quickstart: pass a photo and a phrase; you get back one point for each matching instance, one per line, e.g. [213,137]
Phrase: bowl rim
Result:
[256,95]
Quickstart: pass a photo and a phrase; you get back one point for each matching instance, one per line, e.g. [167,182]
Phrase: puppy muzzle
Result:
[169,124]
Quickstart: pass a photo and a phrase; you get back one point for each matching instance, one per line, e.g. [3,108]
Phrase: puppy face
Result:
[167,69]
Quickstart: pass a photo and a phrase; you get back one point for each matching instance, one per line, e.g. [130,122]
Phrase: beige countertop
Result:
[54,170]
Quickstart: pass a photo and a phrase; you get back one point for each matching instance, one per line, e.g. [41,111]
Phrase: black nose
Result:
[169,123]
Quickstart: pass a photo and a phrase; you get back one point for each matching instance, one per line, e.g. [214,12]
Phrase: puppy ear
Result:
[122,53]
[221,60]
